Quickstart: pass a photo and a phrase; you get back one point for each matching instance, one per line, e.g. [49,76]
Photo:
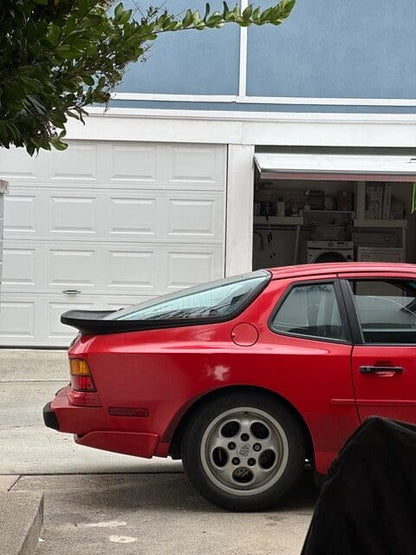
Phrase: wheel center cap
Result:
[244,450]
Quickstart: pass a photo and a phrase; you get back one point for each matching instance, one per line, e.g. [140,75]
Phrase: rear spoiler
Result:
[89,321]
[93,322]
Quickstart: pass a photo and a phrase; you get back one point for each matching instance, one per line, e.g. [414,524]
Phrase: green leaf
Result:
[30,149]
[207,11]
[88,80]
[214,20]
[266,15]
[119,9]
[54,33]
[248,11]
[256,16]
[125,17]
[59,145]
[188,19]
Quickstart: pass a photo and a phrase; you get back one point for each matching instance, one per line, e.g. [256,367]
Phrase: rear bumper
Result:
[92,428]
[128,443]
[61,415]
[49,417]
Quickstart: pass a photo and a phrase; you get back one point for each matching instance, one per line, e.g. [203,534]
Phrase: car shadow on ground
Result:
[161,513]
[146,491]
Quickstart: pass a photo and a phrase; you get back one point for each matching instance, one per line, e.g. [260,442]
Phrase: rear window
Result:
[218,300]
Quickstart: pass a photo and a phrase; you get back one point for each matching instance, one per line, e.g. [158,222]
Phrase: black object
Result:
[49,417]
[316,200]
[368,504]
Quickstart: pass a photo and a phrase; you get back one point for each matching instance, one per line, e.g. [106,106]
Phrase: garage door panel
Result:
[72,268]
[132,216]
[196,165]
[56,330]
[77,163]
[73,215]
[134,163]
[17,165]
[191,217]
[20,267]
[190,267]
[17,322]
[20,215]
[132,270]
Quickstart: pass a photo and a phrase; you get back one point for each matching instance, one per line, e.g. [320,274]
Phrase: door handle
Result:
[380,369]
[71,291]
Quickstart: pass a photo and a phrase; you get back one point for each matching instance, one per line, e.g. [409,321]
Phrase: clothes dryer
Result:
[329,251]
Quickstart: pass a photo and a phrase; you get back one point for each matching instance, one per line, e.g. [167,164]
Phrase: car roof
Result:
[316,270]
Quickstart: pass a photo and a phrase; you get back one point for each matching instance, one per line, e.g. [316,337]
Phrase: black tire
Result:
[243,451]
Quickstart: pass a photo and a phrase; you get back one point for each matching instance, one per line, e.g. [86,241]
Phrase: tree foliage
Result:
[59,56]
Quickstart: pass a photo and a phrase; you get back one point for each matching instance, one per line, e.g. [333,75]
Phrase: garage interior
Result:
[314,207]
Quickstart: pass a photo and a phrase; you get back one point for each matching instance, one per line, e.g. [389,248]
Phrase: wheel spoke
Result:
[226,474]
[219,441]
[245,423]
[260,475]
[273,442]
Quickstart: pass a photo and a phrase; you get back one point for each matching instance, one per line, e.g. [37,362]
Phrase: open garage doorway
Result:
[311,208]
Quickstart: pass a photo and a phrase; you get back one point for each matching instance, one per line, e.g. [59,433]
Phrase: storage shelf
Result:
[299,220]
[328,212]
[279,220]
[380,223]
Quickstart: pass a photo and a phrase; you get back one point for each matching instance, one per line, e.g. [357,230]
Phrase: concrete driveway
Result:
[98,502]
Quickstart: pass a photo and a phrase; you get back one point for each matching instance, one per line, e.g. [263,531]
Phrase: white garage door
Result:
[105,225]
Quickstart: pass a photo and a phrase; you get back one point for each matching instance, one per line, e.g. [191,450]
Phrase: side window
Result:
[310,310]
[386,310]
[223,298]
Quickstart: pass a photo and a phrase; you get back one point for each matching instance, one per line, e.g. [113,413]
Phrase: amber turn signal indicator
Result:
[81,379]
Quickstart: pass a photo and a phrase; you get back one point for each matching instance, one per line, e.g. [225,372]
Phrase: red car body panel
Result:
[75,419]
[166,371]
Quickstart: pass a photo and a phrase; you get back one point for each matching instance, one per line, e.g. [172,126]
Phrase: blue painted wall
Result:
[188,62]
[337,48]
[326,49]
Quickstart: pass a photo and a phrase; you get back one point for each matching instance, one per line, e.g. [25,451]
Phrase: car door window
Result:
[386,310]
[310,310]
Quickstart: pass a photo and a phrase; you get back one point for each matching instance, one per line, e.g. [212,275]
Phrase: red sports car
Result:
[248,377]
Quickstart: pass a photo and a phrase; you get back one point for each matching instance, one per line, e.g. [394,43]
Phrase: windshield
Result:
[219,299]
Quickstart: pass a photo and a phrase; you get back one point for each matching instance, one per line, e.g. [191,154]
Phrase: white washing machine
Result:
[329,251]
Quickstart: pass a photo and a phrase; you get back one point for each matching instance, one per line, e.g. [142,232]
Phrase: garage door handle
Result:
[71,291]
[378,369]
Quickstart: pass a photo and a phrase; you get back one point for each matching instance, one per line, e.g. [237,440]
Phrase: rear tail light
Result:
[81,379]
